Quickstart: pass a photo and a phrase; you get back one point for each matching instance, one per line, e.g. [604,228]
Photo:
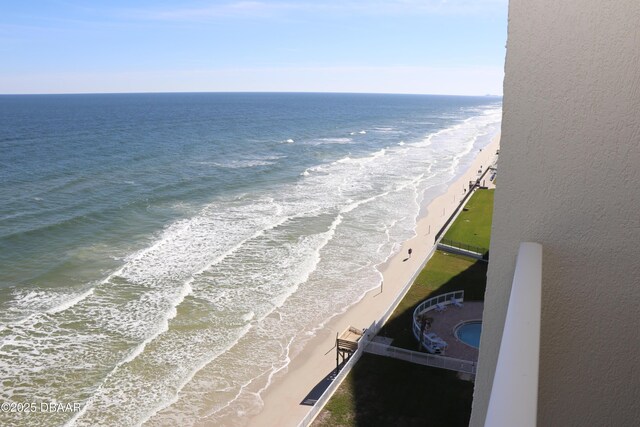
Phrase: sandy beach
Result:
[282,399]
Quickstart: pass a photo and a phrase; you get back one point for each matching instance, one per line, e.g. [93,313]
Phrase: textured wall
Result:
[569,178]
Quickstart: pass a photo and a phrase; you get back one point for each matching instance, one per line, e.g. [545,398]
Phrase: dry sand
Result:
[282,399]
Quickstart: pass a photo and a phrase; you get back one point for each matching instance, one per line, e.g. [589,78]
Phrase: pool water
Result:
[469,333]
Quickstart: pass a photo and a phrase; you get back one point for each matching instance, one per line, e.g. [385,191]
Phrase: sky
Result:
[454,47]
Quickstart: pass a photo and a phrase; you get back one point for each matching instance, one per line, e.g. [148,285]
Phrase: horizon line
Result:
[244,92]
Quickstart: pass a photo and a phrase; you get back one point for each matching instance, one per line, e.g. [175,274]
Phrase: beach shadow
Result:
[390,392]
[406,259]
[315,393]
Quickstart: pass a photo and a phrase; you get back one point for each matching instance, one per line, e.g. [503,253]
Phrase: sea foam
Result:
[195,326]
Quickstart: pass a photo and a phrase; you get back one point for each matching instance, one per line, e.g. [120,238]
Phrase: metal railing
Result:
[466,247]
[514,395]
[430,304]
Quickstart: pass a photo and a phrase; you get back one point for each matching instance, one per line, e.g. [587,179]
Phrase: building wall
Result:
[569,178]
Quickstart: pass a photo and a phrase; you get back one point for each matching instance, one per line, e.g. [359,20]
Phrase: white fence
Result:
[421,358]
[430,304]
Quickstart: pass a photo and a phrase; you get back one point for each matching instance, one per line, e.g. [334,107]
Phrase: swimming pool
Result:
[469,333]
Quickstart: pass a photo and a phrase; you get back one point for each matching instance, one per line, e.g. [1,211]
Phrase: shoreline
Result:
[282,399]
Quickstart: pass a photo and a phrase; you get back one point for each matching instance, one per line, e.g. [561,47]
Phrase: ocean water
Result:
[163,256]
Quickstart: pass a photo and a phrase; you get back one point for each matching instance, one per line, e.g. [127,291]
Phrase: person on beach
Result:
[410,251]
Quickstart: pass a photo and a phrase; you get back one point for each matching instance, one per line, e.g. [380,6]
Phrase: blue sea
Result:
[163,256]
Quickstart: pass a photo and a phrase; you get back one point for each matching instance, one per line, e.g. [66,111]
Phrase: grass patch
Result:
[473,225]
[340,410]
[381,391]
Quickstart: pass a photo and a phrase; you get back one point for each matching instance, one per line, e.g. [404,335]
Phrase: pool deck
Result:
[445,321]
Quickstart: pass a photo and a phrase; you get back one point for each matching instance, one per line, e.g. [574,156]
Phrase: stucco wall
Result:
[569,178]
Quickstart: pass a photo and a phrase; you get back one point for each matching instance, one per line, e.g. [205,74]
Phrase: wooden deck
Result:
[347,344]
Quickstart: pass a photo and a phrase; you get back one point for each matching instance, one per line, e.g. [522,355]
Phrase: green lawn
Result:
[443,273]
[473,225]
[381,391]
